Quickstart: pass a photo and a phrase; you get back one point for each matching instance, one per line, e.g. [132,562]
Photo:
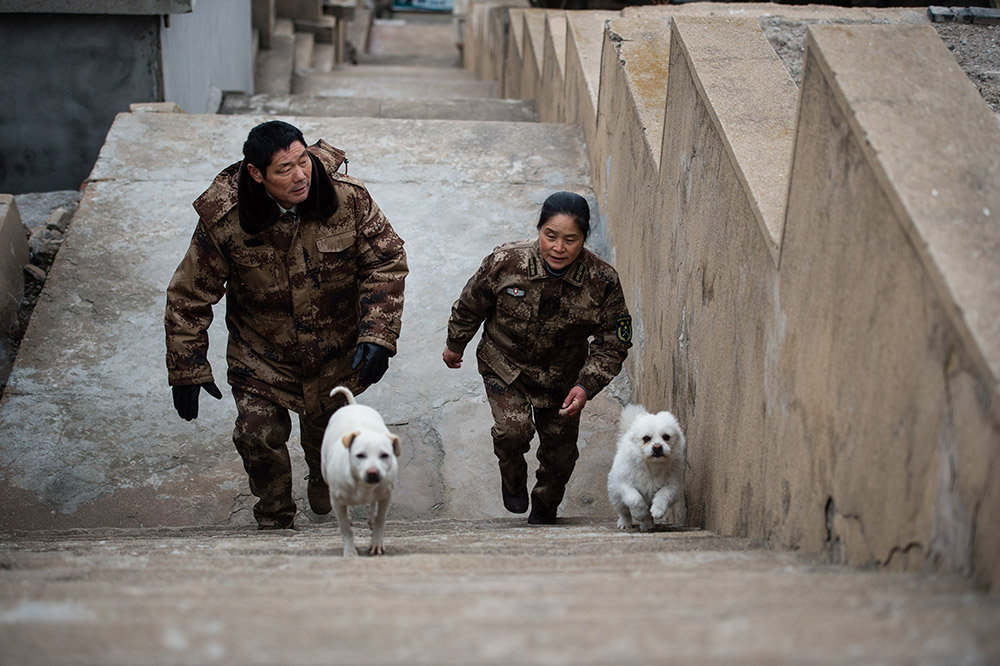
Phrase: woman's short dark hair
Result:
[268,138]
[567,203]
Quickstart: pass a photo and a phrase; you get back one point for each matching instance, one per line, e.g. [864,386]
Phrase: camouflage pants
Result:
[515,422]
[261,438]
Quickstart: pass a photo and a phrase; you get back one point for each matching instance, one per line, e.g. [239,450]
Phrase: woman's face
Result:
[561,241]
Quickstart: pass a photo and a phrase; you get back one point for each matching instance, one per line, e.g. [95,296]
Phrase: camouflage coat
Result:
[301,291]
[549,332]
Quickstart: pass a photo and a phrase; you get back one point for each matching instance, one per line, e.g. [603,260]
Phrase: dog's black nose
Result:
[657,450]
[372,476]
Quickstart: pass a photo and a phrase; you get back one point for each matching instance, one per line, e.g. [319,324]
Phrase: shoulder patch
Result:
[623,328]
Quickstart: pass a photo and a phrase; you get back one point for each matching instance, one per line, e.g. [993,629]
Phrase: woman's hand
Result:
[451,358]
[574,402]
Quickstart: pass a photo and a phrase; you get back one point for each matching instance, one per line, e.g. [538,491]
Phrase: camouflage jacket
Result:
[301,291]
[550,332]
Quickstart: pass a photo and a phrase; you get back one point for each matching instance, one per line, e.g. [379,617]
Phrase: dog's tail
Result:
[347,394]
[628,415]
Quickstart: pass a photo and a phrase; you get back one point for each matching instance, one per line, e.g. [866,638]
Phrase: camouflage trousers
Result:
[261,438]
[515,421]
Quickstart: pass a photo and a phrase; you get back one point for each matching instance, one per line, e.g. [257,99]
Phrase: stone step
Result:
[506,110]
[468,592]
[332,84]
[275,65]
[323,57]
[305,42]
[422,72]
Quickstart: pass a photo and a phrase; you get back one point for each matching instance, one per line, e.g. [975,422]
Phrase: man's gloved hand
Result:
[186,398]
[375,359]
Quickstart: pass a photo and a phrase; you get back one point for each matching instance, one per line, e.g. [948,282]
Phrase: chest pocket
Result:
[255,268]
[581,323]
[336,258]
[514,316]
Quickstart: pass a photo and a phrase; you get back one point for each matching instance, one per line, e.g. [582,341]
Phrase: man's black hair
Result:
[567,203]
[268,138]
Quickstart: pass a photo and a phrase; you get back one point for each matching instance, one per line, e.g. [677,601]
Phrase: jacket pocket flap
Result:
[336,243]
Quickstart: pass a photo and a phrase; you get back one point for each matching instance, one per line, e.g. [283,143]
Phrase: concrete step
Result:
[404,72]
[468,592]
[400,86]
[505,110]
[305,42]
[90,435]
[413,36]
[323,57]
[275,65]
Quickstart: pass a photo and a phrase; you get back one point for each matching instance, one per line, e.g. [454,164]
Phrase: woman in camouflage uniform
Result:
[556,331]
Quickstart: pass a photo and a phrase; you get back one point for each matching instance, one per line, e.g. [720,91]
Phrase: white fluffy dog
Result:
[648,471]
[359,464]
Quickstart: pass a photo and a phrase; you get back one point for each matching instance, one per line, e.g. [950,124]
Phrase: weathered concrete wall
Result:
[533,34]
[66,75]
[552,100]
[206,53]
[64,78]
[888,383]
[825,326]
[584,40]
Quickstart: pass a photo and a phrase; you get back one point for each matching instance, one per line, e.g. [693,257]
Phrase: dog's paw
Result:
[624,524]
[350,552]
[376,549]
[646,524]
[658,511]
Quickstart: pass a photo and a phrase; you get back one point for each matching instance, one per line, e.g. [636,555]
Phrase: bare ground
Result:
[976,49]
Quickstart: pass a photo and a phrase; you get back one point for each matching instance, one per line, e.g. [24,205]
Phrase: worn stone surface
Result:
[468,592]
[504,110]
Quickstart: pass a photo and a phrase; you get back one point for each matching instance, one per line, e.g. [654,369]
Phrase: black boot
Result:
[542,516]
[514,502]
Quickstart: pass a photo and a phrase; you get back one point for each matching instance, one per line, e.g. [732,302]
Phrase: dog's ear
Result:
[348,439]
[396,447]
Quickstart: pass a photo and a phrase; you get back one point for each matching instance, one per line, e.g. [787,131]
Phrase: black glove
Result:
[186,398]
[376,362]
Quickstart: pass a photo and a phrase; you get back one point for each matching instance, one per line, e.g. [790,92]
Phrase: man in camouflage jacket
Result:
[313,277]
[548,342]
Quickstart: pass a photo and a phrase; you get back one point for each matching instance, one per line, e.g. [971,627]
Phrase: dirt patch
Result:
[976,49]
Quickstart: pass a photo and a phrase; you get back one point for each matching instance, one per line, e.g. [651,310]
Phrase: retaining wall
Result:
[814,272]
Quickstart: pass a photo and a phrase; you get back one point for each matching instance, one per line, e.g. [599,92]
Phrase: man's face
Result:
[289,175]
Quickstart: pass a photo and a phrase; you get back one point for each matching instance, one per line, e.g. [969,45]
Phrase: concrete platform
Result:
[401,86]
[88,431]
[468,592]
[503,110]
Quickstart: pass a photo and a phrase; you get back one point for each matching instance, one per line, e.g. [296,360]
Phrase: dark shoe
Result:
[319,495]
[289,525]
[514,502]
[540,516]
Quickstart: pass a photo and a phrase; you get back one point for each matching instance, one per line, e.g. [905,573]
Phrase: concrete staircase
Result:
[407,68]
[95,455]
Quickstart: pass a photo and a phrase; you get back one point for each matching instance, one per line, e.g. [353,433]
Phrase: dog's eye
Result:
[362,456]
[646,438]
[383,455]
[666,436]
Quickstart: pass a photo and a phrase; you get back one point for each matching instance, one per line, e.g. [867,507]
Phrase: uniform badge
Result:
[623,328]
[516,292]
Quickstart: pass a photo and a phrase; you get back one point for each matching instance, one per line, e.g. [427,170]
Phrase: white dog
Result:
[648,471]
[359,464]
